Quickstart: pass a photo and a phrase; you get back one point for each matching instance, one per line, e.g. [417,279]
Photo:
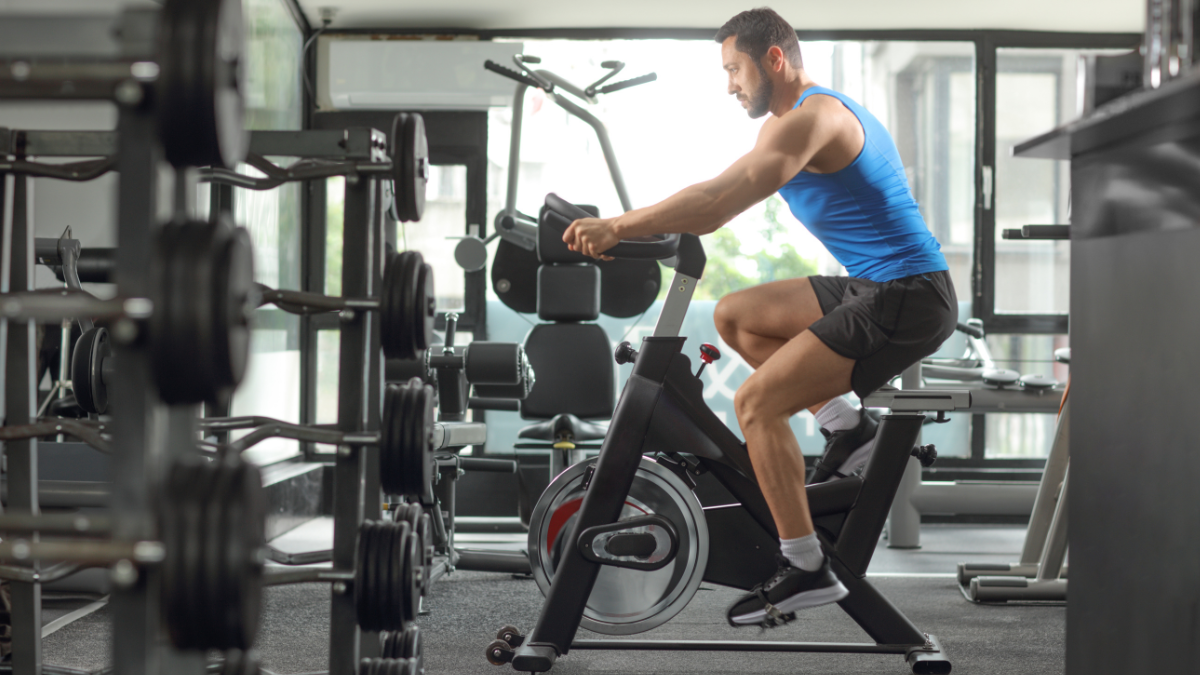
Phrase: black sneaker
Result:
[846,451]
[776,602]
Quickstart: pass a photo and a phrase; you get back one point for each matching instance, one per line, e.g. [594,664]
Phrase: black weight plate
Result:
[391,441]
[417,468]
[184,591]
[425,312]
[87,370]
[398,335]
[424,403]
[199,103]
[213,557]
[390,644]
[234,301]
[410,643]
[411,579]
[426,530]
[410,166]
[391,579]
[364,568]
[245,536]
[384,548]
[181,323]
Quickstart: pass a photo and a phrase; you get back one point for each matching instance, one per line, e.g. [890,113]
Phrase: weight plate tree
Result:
[406,448]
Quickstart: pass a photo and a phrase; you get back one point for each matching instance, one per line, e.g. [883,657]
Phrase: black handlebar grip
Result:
[511,74]
[625,84]
[970,330]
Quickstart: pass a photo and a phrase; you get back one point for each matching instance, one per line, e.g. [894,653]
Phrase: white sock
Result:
[804,552]
[838,415]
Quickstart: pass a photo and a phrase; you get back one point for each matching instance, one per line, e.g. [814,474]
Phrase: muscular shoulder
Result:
[822,125]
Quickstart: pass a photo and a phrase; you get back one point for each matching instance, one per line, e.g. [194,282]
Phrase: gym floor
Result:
[467,608]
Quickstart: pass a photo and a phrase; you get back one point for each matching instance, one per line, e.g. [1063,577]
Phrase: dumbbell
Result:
[405,304]
[195,322]
[209,551]
[194,79]
[405,441]
[386,580]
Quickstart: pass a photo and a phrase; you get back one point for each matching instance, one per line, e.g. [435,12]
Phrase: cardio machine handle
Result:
[560,213]
[625,84]
[970,330]
[514,75]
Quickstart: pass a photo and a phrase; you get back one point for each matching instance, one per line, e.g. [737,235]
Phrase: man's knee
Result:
[754,405]
[726,315]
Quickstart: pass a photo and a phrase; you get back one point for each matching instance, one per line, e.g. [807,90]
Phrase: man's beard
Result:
[760,104]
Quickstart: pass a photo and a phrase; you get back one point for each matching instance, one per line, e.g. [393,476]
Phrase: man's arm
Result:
[784,147]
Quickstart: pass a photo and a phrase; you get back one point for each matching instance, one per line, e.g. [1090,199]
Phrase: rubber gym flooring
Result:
[466,608]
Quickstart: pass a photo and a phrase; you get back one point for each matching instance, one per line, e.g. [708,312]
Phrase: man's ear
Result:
[774,59]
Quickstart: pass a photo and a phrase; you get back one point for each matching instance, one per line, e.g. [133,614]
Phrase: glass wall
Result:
[273,101]
[685,128]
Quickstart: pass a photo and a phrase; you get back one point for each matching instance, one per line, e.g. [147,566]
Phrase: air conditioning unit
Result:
[382,72]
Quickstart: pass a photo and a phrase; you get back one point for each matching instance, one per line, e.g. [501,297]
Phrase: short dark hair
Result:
[758,30]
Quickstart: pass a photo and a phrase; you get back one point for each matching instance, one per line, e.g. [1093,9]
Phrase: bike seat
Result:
[564,425]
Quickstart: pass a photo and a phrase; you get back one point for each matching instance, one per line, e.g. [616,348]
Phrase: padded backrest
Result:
[574,370]
[568,292]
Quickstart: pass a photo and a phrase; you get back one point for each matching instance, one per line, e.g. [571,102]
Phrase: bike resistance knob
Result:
[708,354]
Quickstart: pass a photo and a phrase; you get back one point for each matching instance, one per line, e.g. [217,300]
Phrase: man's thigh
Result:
[779,309]
[801,374]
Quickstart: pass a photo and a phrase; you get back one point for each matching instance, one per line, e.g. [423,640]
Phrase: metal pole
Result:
[21,408]
[904,520]
[350,470]
[514,148]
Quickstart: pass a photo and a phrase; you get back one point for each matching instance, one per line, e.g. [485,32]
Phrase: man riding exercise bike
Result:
[813,339]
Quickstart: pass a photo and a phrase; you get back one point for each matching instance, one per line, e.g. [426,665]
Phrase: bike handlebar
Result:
[559,214]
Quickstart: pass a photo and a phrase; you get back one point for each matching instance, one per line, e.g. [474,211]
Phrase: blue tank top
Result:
[865,214]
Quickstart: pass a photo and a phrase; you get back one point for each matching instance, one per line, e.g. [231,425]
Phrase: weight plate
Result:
[390,644]
[239,662]
[410,581]
[399,335]
[87,370]
[199,103]
[393,576]
[411,646]
[418,434]
[203,295]
[410,166]
[245,533]
[390,445]
[426,530]
[220,500]
[425,312]
[364,608]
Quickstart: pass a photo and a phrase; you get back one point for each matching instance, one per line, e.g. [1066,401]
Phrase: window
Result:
[273,101]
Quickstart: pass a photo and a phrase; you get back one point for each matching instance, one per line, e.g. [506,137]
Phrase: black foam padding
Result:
[575,372]
[493,363]
[550,246]
[628,287]
[514,277]
[568,293]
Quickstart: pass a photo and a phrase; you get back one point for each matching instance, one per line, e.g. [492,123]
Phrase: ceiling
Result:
[1053,15]
[1048,15]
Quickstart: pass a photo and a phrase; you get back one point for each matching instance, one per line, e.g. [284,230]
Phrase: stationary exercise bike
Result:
[620,544]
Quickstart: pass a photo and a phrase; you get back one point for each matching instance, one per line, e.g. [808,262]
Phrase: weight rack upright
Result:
[356,491]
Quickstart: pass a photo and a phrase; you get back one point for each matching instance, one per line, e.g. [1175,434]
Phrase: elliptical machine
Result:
[620,544]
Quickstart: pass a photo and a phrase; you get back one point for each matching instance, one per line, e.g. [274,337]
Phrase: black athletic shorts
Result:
[885,327]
